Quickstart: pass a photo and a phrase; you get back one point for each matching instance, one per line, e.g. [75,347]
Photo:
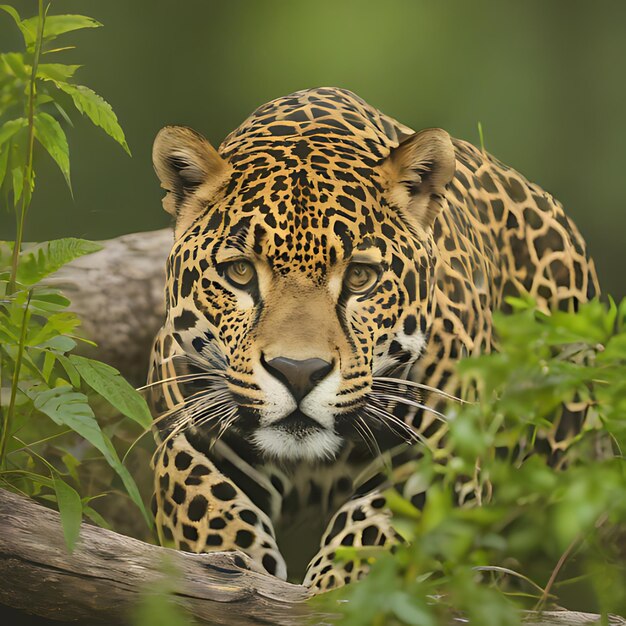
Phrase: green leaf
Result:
[67,407]
[70,370]
[59,344]
[17,180]
[48,257]
[71,510]
[13,66]
[400,506]
[48,363]
[72,464]
[63,323]
[46,301]
[408,610]
[52,137]
[98,110]
[26,29]
[54,26]
[108,382]
[13,13]
[17,162]
[8,129]
[95,517]
[56,71]
[4,162]
[70,408]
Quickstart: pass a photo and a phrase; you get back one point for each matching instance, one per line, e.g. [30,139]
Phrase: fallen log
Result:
[108,574]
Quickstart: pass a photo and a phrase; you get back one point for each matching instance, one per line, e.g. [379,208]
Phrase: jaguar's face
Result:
[300,280]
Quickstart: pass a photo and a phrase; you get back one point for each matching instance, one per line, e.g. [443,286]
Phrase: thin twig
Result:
[555,573]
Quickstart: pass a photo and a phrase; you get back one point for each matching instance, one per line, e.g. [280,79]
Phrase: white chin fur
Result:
[278,444]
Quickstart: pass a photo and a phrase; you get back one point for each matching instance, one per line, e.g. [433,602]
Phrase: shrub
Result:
[47,392]
[542,534]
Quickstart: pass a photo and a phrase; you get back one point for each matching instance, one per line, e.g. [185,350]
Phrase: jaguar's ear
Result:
[190,169]
[417,172]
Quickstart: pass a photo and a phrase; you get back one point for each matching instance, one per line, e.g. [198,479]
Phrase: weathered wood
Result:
[108,573]
[568,618]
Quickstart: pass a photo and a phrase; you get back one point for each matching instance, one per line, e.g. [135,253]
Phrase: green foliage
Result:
[71,510]
[47,394]
[96,109]
[51,136]
[55,25]
[46,258]
[542,534]
[106,381]
[159,608]
[159,604]
[28,88]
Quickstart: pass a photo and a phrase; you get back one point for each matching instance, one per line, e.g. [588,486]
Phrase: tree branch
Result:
[108,574]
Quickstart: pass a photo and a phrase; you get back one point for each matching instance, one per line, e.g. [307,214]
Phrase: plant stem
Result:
[39,441]
[8,418]
[546,592]
[28,166]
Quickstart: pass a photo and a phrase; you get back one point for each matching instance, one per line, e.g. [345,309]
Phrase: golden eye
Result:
[360,278]
[240,272]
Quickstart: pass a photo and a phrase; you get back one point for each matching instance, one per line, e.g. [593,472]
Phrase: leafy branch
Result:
[44,83]
[50,390]
[539,531]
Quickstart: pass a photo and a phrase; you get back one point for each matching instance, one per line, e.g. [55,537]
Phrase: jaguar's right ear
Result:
[190,170]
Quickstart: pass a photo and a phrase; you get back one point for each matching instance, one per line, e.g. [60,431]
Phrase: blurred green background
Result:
[542,76]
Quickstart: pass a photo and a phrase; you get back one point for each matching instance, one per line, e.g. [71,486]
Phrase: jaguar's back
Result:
[500,236]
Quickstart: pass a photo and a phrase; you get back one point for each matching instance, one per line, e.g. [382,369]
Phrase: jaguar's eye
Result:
[240,273]
[360,278]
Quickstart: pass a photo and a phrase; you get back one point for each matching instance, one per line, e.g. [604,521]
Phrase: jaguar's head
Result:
[300,272]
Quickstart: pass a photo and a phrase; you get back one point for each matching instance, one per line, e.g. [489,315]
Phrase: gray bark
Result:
[108,573]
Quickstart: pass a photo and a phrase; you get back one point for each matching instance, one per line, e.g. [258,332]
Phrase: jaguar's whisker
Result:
[400,400]
[198,396]
[183,378]
[410,383]
[228,422]
[206,419]
[368,436]
[156,420]
[195,408]
[197,415]
[384,413]
[386,418]
[190,414]
[219,362]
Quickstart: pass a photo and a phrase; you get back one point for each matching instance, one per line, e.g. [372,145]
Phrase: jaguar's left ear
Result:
[417,172]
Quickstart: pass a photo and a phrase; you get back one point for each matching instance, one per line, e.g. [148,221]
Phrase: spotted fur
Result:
[278,400]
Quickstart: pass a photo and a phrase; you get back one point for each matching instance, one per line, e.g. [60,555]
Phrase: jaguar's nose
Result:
[300,377]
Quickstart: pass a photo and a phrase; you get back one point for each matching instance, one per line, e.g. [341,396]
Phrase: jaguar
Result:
[330,267]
